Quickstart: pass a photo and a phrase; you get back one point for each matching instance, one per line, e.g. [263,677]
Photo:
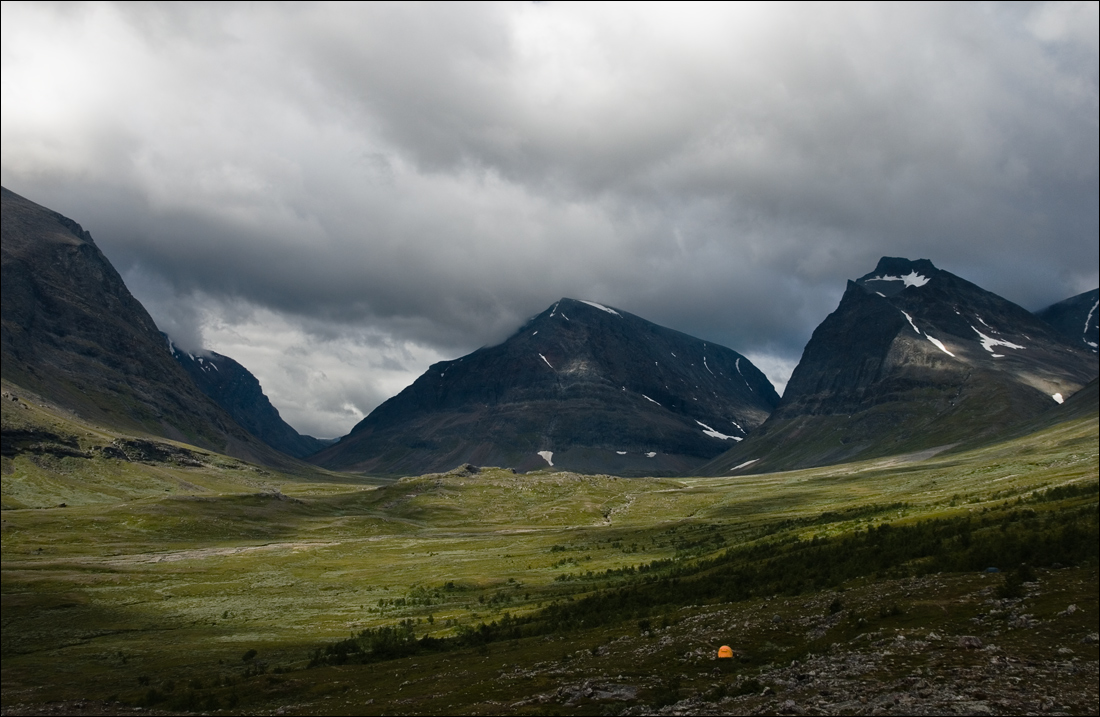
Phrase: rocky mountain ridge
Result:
[235,389]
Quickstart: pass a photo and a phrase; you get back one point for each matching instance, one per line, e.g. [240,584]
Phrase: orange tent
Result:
[725,652]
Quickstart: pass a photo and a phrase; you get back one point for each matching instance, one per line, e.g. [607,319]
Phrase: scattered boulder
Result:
[572,694]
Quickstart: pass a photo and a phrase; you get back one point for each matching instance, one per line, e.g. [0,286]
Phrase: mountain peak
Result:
[29,219]
[581,386]
[565,306]
[895,274]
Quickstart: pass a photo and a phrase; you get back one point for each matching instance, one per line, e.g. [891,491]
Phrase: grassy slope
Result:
[51,456]
[131,589]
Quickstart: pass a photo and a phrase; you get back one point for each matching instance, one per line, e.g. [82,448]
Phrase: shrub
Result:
[1013,586]
[748,687]
[668,693]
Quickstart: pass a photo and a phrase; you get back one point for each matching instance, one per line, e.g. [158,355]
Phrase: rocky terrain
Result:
[923,671]
[580,386]
[985,655]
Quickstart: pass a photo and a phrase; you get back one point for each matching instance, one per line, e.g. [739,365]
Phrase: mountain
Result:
[914,358]
[580,386]
[1076,318]
[73,334]
[234,388]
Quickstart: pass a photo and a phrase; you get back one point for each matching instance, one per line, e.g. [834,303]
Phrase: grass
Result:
[157,578]
[51,456]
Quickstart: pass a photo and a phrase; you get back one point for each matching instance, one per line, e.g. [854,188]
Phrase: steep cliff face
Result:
[913,358]
[72,333]
[581,386]
[235,389]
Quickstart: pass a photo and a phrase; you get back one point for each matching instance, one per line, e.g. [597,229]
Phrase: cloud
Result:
[409,182]
[320,377]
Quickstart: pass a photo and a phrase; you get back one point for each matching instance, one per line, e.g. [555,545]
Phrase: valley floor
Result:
[855,589]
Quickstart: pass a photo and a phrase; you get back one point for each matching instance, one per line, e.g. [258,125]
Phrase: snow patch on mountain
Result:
[988,343]
[939,345]
[910,279]
[715,434]
[911,321]
[601,307]
[547,456]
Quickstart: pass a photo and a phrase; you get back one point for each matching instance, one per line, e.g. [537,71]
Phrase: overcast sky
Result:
[337,196]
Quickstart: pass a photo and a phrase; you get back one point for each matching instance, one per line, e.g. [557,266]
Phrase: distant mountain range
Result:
[235,389]
[914,359]
[580,386]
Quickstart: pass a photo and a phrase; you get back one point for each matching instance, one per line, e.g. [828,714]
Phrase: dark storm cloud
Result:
[394,184]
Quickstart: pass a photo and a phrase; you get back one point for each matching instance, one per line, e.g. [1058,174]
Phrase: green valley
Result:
[205,583]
